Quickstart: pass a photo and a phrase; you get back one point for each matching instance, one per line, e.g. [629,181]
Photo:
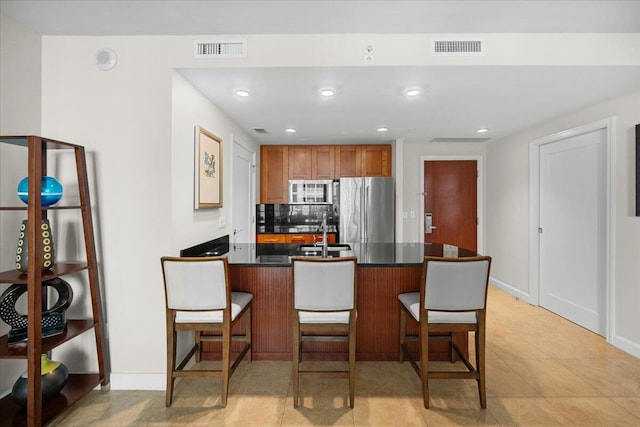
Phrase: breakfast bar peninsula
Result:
[384,271]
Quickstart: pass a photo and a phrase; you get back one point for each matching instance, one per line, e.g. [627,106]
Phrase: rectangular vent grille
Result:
[261,131]
[220,49]
[457,47]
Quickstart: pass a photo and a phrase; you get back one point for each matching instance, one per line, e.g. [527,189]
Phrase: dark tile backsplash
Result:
[284,218]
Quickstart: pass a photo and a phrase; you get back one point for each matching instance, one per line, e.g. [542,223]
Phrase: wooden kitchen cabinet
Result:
[362,160]
[299,162]
[294,238]
[376,160]
[323,162]
[280,163]
[299,238]
[271,238]
[309,238]
[274,174]
[348,161]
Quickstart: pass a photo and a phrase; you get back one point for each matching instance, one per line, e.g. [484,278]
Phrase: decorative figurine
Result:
[50,190]
[54,376]
[53,320]
[48,252]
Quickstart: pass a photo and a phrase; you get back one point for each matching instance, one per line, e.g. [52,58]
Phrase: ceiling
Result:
[455,100]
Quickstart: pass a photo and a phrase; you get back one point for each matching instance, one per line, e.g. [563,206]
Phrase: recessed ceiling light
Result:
[413,92]
[327,92]
[290,130]
[383,129]
[243,93]
[482,130]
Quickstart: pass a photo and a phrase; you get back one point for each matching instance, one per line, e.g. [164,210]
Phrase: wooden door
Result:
[376,160]
[274,174]
[450,197]
[299,162]
[348,161]
[323,162]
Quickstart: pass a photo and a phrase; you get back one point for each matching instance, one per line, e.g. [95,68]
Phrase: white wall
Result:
[508,217]
[20,69]
[136,123]
[20,95]
[190,107]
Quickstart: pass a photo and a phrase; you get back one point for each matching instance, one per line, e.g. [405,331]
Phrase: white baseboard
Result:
[138,381]
[517,293]
[627,345]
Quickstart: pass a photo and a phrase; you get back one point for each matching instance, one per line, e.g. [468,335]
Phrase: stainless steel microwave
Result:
[307,191]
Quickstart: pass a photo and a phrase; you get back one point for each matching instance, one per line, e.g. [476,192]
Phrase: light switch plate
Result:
[222,222]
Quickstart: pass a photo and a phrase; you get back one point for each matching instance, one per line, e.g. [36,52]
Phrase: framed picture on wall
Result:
[208,169]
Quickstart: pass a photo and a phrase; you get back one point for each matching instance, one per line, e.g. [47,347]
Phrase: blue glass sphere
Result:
[50,190]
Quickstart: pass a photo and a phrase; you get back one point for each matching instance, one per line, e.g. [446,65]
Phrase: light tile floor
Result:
[541,370]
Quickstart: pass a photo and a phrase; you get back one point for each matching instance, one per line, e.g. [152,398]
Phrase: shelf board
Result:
[44,208]
[76,388]
[48,143]
[18,350]
[15,276]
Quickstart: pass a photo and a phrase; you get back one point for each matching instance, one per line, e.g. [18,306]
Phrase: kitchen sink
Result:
[331,247]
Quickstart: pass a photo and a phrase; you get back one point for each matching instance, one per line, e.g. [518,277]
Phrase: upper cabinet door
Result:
[323,162]
[274,174]
[376,160]
[348,161]
[299,162]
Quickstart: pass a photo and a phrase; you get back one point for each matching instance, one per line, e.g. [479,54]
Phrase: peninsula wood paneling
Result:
[378,315]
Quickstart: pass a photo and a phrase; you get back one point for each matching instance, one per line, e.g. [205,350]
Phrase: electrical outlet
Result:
[222,222]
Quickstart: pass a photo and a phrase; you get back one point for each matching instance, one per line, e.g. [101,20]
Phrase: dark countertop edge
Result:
[360,265]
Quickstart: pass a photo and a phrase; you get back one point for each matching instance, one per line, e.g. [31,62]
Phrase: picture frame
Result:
[208,169]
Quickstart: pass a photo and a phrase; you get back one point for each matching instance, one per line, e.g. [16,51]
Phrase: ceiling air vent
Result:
[261,131]
[220,49]
[457,47]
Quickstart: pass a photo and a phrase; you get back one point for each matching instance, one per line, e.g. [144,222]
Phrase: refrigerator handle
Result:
[366,214]
[363,229]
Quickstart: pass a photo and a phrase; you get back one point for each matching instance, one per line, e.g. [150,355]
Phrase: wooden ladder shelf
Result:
[79,384]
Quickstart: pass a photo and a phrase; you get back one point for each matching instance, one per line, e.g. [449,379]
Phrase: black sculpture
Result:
[53,319]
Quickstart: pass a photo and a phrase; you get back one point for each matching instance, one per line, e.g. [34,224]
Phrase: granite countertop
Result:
[369,254]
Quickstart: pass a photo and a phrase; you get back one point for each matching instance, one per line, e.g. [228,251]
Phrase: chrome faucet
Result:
[324,234]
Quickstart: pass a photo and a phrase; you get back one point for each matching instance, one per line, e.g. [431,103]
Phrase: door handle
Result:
[428,223]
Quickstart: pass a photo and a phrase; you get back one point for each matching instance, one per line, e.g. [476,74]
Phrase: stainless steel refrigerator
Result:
[366,210]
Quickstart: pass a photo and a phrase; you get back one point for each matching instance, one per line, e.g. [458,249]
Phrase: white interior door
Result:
[573,227]
[243,195]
